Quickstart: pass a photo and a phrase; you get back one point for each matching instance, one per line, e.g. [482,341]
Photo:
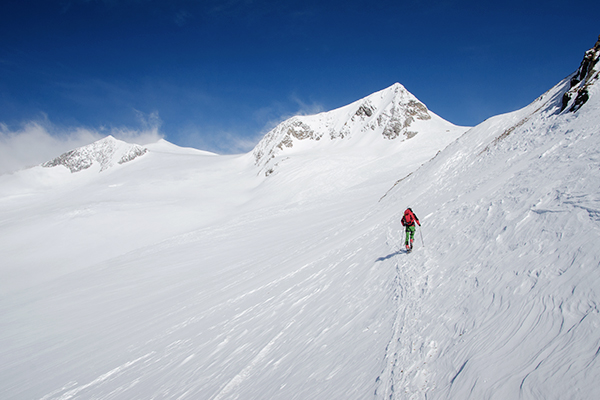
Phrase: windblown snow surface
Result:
[185,275]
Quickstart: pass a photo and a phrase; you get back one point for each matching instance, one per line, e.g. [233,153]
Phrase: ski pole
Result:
[421,233]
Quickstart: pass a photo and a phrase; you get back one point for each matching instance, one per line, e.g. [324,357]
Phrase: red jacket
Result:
[410,218]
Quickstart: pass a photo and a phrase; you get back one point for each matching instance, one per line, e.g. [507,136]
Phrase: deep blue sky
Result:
[219,74]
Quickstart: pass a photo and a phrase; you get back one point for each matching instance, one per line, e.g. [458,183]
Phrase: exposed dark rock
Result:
[565,101]
[300,130]
[392,131]
[402,118]
[417,110]
[285,142]
[133,153]
[70,160]
[364,110]
[580,100]
[585,76]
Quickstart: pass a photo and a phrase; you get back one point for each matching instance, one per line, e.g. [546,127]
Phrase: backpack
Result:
[409,218]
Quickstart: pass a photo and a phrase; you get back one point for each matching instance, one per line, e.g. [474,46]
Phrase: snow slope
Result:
[177,272]
[182,274]
[503,301]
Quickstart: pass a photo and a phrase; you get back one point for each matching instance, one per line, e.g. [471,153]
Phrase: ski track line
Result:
[406,375]
[386,377]
[405,296]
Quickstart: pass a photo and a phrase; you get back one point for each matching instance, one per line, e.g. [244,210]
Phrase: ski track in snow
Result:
[406,355]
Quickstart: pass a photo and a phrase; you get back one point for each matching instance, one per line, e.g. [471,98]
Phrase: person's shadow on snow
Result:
[389,256]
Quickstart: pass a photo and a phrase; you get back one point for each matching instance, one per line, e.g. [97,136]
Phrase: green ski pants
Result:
[410,234]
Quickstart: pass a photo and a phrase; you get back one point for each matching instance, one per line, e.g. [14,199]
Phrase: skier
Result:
[408,221]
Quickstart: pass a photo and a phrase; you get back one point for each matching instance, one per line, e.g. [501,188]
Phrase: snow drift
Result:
[182,274]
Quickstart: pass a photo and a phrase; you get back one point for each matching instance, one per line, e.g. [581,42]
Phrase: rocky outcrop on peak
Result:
[105,152]
[401,119]
[586,75]
[389,113]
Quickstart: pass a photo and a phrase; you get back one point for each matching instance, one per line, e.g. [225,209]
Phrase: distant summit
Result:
[105,152]
[389,114]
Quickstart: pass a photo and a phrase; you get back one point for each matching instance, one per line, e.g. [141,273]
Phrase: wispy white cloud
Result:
[235,144]
[277,112]
[148,122]
[36,142]
[304,108]
[217,140]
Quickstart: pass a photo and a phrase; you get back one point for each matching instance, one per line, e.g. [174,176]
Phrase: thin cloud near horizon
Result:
[36,142]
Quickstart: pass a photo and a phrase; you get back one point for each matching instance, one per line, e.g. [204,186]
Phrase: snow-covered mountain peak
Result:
[106,152]
[390,114]
[583,79]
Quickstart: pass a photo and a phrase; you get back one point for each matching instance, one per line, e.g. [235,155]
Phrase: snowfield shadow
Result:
[389,256]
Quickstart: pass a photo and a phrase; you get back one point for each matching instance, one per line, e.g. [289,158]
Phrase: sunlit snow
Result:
[186,275]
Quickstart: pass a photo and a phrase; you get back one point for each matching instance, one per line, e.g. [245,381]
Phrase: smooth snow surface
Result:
[185,275]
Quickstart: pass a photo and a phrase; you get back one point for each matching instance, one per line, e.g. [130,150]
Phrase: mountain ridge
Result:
[379,121]
[391,114]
